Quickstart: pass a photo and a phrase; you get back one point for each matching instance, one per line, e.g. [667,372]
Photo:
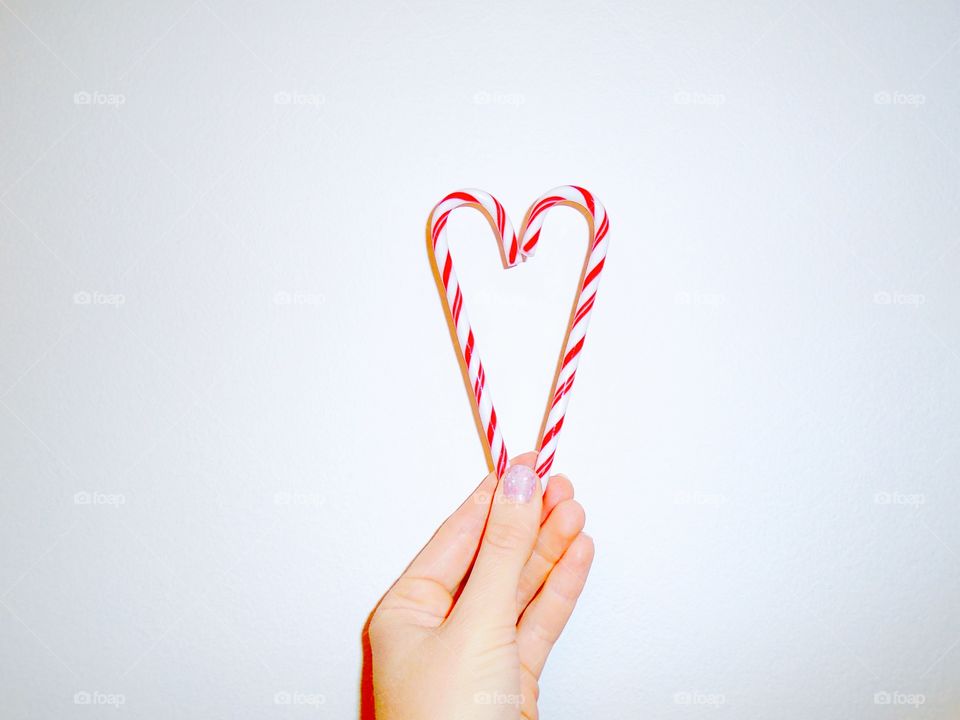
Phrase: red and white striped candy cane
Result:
[467,345]
[586,203]
[570,195]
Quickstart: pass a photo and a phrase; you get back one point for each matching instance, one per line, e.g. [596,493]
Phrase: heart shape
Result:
[510,252]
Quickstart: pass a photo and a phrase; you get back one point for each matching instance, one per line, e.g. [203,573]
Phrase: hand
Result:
[466,630]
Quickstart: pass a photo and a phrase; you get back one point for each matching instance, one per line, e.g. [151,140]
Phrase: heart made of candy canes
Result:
[511,251]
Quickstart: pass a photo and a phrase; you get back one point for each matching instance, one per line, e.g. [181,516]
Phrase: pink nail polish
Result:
[519,482]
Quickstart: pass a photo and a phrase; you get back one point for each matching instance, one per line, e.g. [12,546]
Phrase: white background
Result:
[219,327]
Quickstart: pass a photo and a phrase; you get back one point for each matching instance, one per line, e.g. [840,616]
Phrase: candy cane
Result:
[469,356]
[596,215]
[510,251]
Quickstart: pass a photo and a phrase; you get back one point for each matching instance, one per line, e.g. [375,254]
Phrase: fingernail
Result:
[519,483]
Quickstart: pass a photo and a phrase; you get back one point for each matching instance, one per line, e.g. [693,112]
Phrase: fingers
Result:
[490,594]
[559,488]
[424,593]
[562,526]
[546,616]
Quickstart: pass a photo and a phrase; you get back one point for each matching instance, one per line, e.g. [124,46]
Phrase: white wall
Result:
[775,343]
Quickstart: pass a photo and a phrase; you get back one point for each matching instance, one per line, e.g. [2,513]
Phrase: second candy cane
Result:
[511,250]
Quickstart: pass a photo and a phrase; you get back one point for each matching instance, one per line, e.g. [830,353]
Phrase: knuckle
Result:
[505,536]
[544,634]
[423,598]
[418,592]
[377,627]
[548,549]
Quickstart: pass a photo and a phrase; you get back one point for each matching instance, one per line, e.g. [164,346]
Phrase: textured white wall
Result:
[263,377]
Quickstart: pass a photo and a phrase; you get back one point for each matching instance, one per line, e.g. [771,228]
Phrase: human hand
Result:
[464,633]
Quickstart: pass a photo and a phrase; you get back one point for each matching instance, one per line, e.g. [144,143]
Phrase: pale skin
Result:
[465,632]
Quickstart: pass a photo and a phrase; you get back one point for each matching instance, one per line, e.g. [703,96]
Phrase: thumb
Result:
[490,594]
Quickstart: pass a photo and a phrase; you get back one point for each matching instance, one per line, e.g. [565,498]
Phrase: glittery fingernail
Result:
[518,483]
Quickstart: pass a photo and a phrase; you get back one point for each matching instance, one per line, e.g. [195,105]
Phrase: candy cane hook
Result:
[492,436]
[559,397]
